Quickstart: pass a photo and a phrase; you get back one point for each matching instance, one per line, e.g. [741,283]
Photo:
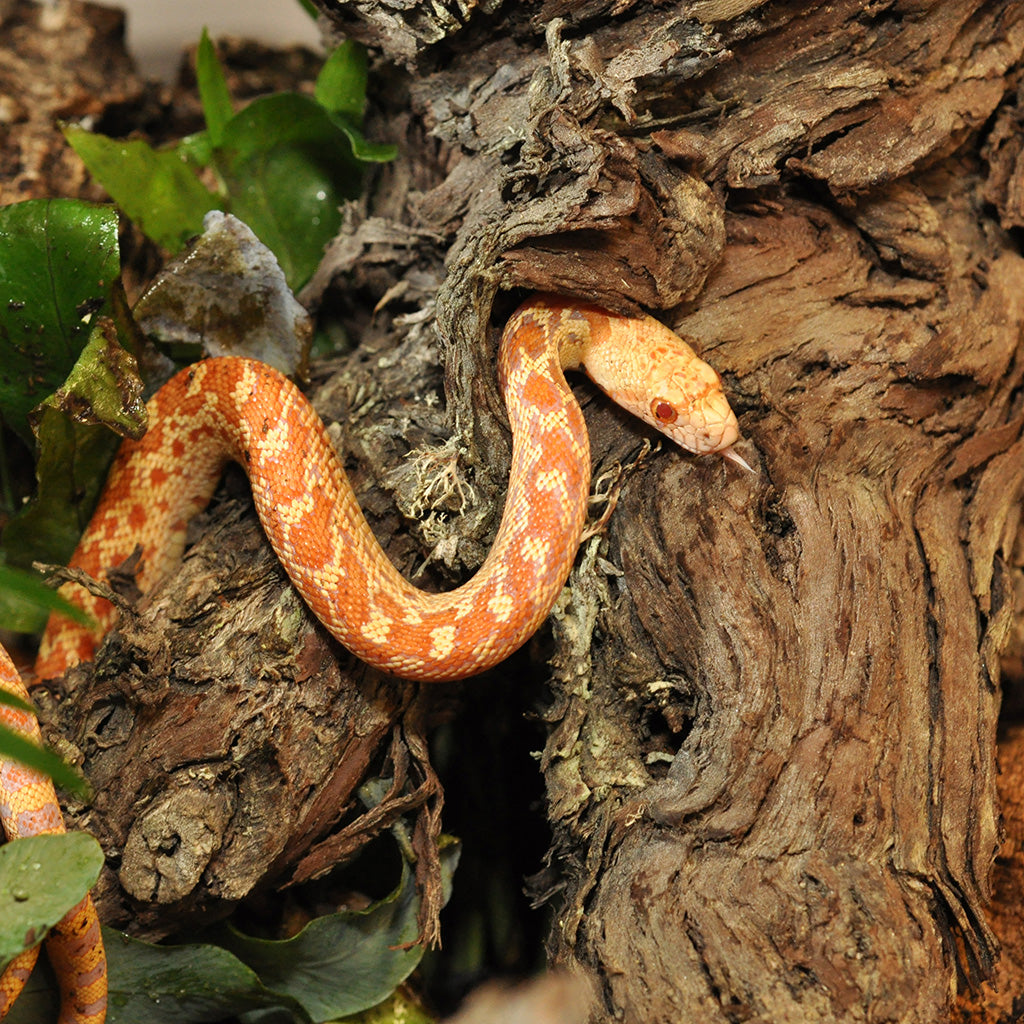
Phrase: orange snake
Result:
[231,408]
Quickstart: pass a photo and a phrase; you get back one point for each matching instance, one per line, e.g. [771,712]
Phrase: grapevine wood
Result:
[236,409]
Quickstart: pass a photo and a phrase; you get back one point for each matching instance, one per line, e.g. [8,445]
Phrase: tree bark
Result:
[771,767]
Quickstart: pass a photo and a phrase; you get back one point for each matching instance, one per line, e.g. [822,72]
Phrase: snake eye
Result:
[663,412]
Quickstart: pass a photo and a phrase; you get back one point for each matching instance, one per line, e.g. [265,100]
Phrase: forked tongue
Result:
[732,456]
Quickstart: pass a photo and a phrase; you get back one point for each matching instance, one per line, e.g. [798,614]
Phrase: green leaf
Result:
[337,966]
[72,466]
[309,8]
[182,984]
[341,91]
[341,85]
[287,170]
[78,430]
[163,985]
[343,963]
[285,163]
[339,962]
[14,747]
[213,90]
[196,149]
[310,977]
[156,188]
[104,386]
[370,152]
[26,592]
[58,262]
[41,879]
[12,701]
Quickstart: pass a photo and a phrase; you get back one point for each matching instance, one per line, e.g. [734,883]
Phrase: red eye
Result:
[664,412]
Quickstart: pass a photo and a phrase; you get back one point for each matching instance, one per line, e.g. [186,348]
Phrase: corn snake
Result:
[231,408]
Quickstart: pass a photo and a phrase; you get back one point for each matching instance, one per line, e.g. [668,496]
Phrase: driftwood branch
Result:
[771,771]
[771,765]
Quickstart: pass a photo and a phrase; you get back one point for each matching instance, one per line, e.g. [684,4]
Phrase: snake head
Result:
[657,376]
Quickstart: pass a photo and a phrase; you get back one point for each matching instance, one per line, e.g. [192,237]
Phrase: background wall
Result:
[158,30]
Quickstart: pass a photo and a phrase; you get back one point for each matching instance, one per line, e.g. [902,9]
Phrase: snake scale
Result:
[232,408]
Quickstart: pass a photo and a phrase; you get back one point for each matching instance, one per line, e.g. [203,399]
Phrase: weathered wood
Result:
[225,732]
[49,69]
[771,769]
[771,766]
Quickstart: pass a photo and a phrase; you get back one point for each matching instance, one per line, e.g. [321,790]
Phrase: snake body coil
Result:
[223,409]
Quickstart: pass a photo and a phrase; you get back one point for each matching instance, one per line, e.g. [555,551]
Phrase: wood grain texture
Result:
[771,772]
[771,769]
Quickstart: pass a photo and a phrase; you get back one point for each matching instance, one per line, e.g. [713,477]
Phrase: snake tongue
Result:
[732,456]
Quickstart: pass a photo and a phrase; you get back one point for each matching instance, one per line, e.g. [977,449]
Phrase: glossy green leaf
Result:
[60,264]
[340,964]
[59,260]
[287,170]
[343,963]
[362,149]
[341,85]
[213,90]
[183,984]
[156,188]
[196,149]
[341,91]
[41,879]
[164,985]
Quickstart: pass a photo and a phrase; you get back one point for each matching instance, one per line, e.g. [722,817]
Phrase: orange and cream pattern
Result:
[28,807]
[231,408]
